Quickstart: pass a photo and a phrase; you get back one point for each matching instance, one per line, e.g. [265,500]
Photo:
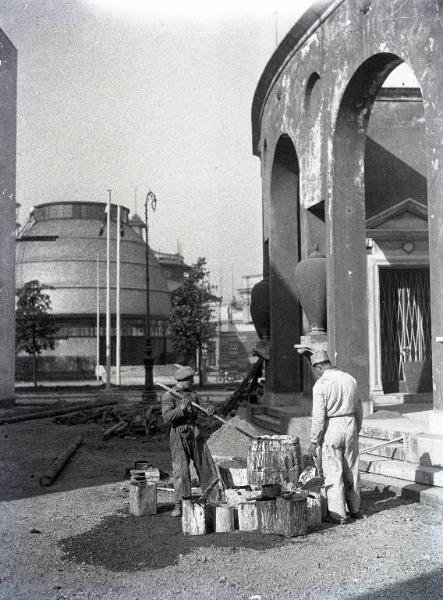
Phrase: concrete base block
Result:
[432,496]
[425,449]
[293,399]
[432,476]
[436,422]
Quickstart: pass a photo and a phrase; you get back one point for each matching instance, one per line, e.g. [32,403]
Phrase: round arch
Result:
[347,272]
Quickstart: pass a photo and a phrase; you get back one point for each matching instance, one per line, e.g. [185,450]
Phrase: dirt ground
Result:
[76,539]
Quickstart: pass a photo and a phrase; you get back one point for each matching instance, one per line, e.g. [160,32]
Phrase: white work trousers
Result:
[340,466]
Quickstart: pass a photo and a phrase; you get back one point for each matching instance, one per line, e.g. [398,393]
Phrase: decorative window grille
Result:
[405,319]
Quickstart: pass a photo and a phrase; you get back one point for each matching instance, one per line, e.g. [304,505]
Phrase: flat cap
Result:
[184,373]
[319,356]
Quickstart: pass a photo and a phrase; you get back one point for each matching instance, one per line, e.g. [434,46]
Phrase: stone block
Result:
[432,476]
[424,449]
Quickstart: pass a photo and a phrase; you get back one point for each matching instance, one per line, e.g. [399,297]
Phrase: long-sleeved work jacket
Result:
[334,395]
[187,443]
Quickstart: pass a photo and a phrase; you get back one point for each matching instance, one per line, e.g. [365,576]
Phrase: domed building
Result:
[62,248]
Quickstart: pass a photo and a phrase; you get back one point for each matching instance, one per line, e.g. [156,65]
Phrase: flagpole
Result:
[117,300]
[108,295]
[97,360]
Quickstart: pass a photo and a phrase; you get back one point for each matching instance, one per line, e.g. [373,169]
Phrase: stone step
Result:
[402,398]
[416,492]
[379,432]
[266,422]
[394,450]
[424,449]
[273,411]
[401,469]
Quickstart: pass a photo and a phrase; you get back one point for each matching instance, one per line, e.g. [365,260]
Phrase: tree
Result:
[35,328]
[190,323]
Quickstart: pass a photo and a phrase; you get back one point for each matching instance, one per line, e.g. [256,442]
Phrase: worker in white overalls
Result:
[337,416]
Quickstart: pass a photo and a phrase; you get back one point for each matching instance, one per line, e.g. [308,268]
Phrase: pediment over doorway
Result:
[407,215]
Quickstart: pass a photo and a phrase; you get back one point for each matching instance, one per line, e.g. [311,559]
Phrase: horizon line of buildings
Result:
[62,247]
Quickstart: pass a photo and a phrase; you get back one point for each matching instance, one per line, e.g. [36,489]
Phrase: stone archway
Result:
[347,272]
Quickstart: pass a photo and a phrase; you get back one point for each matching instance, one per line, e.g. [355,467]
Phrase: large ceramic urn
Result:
[260,308]
[310,285]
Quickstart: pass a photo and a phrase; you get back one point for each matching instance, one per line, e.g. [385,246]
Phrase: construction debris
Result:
[53,412]
[118,420]
[229,442]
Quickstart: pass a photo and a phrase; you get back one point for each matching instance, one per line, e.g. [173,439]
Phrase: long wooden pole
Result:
[54,470]
[55,412]
[366,450]
[165,387]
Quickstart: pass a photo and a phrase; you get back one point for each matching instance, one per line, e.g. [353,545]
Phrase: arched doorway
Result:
[284,371]
[364,193]
[400,355]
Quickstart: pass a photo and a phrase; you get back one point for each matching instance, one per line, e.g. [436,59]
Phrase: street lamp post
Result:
[148,394]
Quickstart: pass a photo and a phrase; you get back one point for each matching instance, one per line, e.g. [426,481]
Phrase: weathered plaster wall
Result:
[8,110]
[353,51]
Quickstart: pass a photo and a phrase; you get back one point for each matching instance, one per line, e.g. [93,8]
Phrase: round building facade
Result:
[63,246]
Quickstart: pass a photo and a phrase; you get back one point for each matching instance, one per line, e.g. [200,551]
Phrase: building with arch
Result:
[8,127]
[353,171]
[63,249]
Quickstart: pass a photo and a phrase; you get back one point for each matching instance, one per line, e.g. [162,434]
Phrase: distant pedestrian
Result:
[336,422]
[186,439]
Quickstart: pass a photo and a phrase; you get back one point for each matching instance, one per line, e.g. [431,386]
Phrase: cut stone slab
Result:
[424,449]
[400,469]
[417,492]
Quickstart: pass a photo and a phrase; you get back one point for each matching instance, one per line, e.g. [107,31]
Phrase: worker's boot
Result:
[177,512]
[336,520]
[357,515]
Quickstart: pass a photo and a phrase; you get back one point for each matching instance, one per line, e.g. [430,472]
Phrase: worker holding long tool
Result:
[186,439]
[337,416]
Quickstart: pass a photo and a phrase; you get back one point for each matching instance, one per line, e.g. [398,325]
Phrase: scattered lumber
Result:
[54,412]
[54,470]
[115,420]
[124,419]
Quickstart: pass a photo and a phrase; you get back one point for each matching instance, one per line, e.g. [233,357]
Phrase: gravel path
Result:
[76,540]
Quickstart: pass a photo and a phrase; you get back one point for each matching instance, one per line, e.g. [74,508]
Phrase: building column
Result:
[434,131]
[346,270]
[8,112]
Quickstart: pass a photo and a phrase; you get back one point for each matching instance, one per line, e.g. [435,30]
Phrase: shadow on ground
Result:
[150,542]
[136,541]
[425,587]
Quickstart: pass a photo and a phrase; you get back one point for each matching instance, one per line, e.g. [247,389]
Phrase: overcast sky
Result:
[116,94]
